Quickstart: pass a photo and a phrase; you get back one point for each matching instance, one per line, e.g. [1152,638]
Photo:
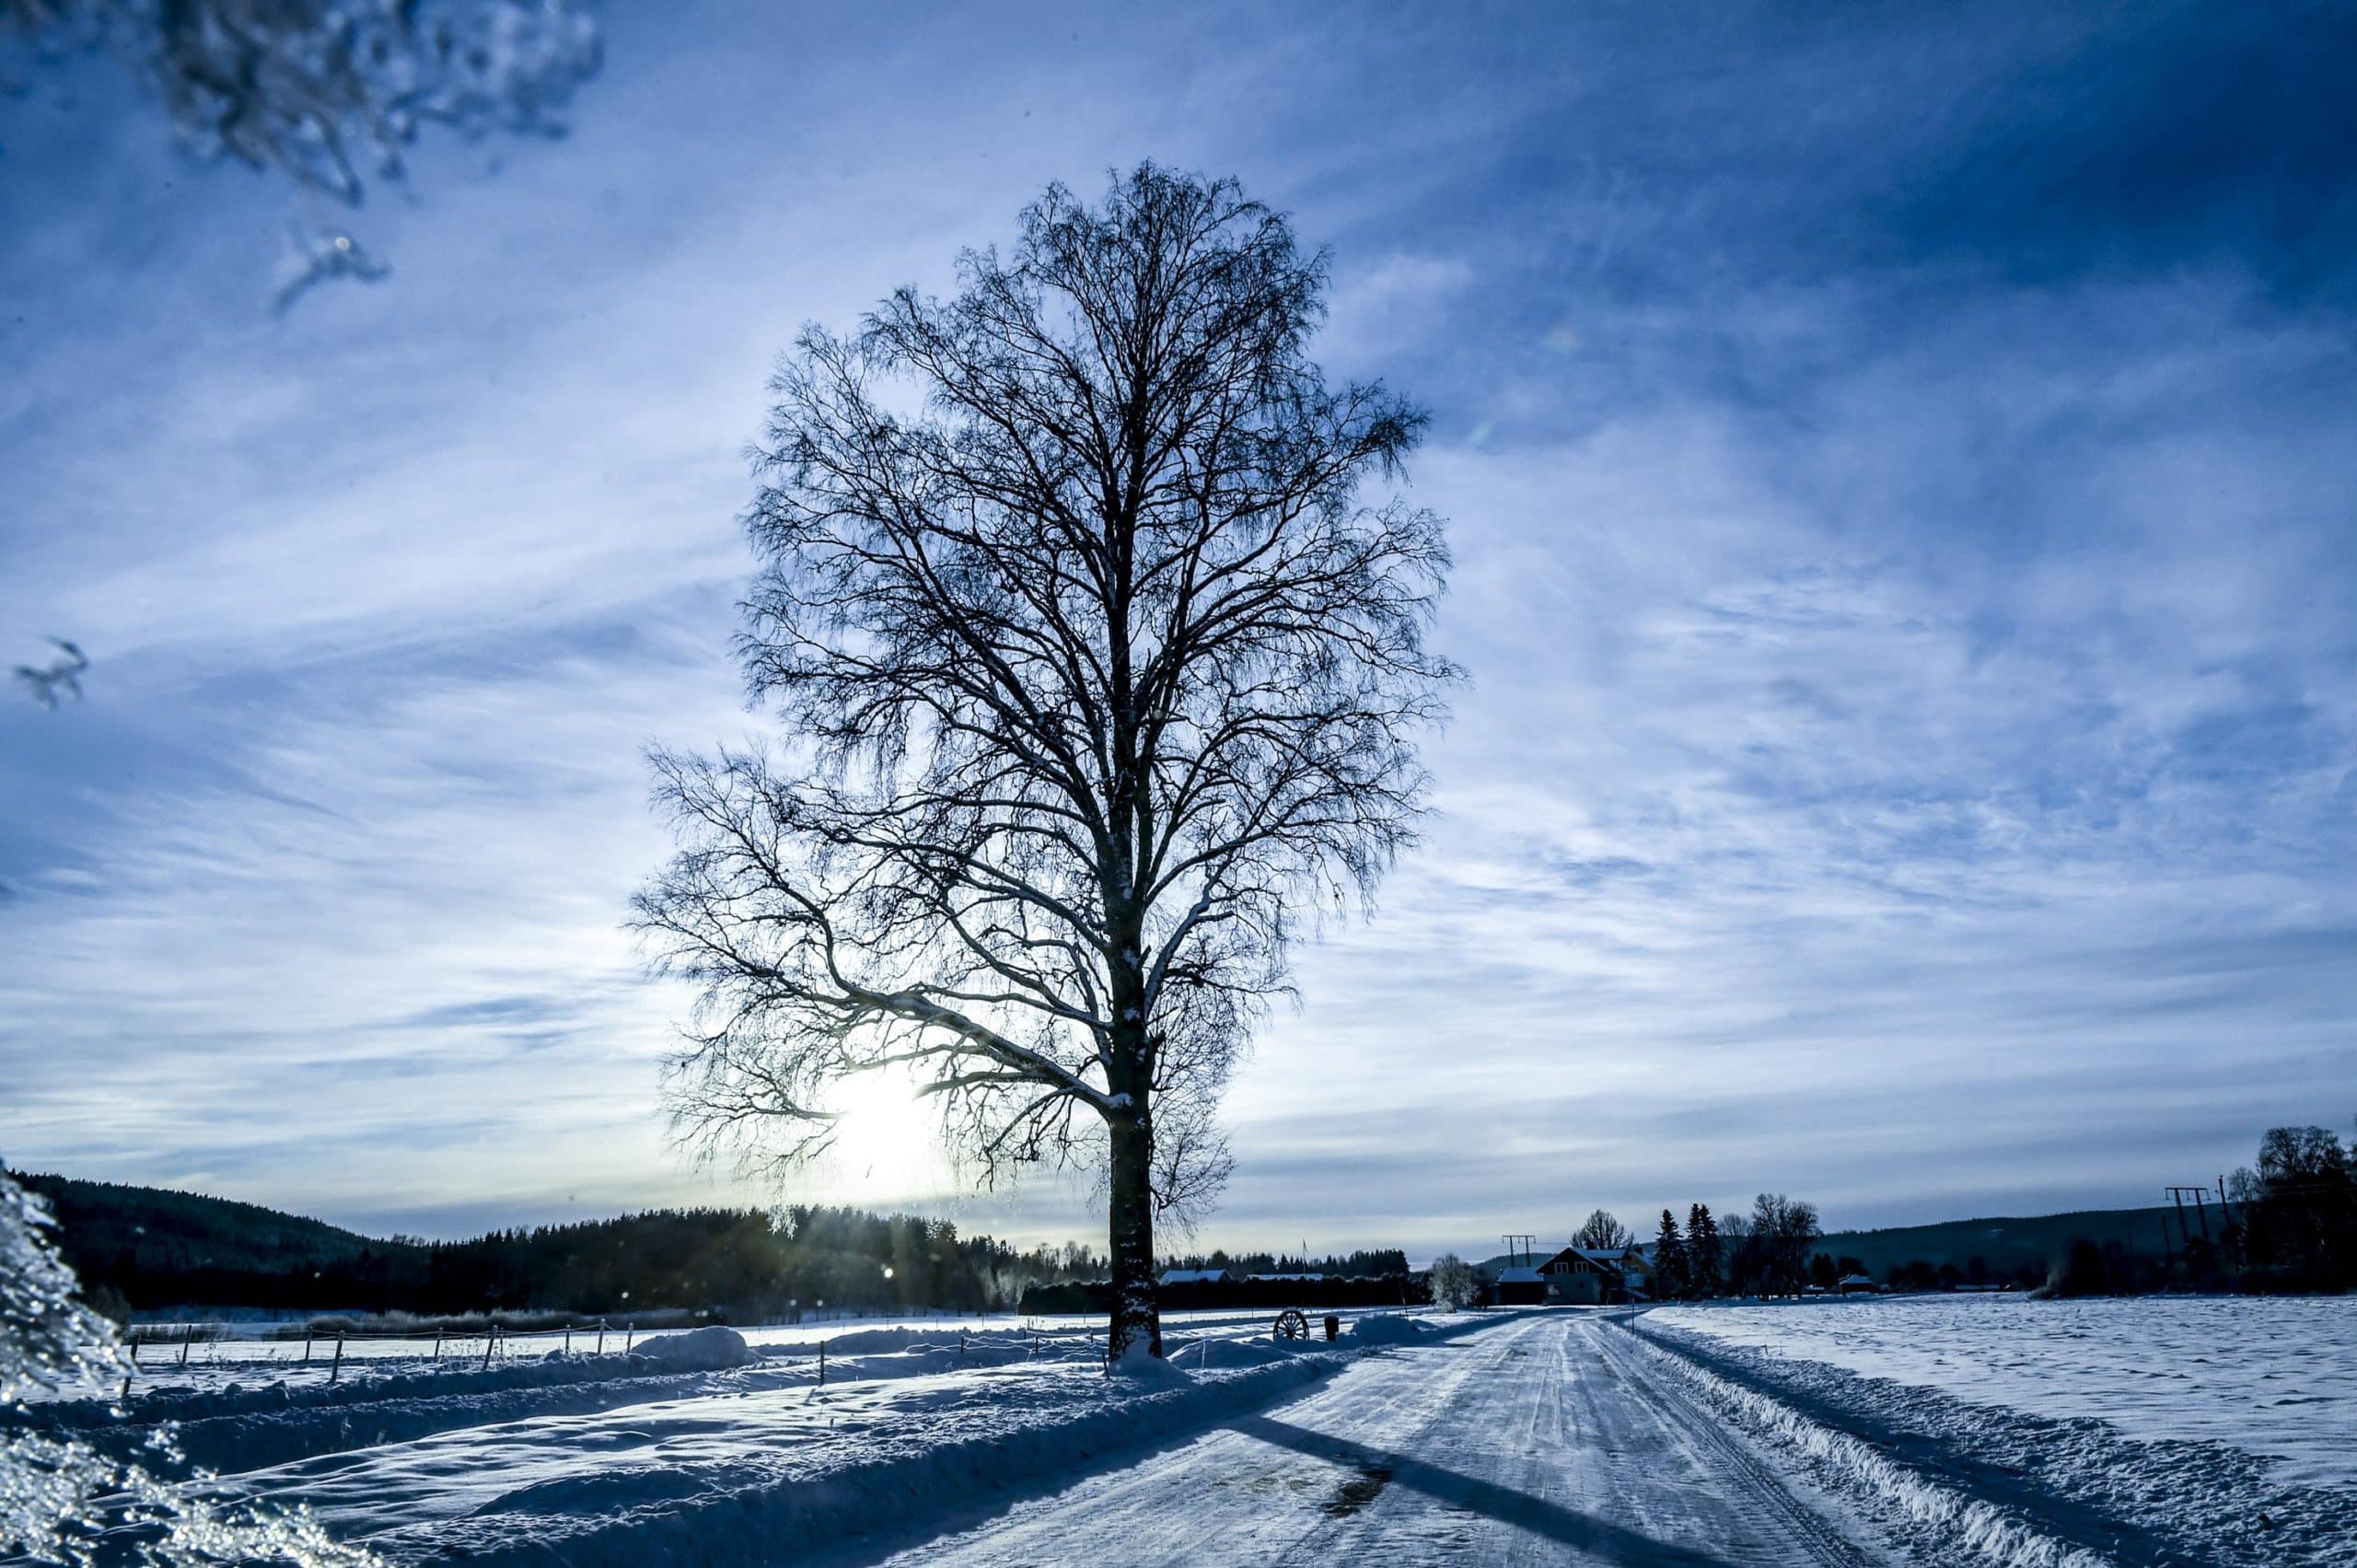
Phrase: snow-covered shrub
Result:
[1453,1281]
[51,1489]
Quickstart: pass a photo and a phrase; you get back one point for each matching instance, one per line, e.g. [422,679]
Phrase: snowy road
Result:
[1549,1439]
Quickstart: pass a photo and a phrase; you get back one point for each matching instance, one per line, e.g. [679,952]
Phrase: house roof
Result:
[1519,1276]
[1604,1260]
[1191,1276]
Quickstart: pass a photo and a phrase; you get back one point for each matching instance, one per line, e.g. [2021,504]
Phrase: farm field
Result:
[1901,1432]
[635,1458]
[2135,1430]
[2274,1377]
[238,1354]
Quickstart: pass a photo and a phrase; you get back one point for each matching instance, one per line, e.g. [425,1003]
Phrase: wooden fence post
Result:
[630,1332]
[187,1337]
[336,1370]
[490,1338]
[437,1344]
[822,1363]
[601,1336]
[306,1344]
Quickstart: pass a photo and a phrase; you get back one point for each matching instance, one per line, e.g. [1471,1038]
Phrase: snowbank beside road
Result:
[1976,1483]
[2273,1376]
[1388,1328]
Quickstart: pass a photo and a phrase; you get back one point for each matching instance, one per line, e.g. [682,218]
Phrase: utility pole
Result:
[2200,1196]
[1521,1247]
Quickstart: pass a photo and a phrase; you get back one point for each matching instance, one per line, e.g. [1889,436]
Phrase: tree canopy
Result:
[1097,647]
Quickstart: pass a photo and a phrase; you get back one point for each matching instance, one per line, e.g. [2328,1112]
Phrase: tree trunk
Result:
[1136,1328]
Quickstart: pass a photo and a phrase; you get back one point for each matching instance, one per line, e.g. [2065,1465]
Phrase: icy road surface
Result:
[1551,1439]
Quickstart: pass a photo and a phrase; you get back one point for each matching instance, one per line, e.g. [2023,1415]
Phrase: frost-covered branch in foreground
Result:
[328,93]
[60,674]
[61,1501]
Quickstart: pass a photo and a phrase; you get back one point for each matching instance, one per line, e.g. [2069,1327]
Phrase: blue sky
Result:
[1901,468]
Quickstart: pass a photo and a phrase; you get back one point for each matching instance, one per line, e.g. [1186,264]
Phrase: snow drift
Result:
[737,1510]
[1983,1482]
[709,1349]
[1388,1328]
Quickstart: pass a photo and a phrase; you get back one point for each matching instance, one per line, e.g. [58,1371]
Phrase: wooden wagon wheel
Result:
[1292,1325]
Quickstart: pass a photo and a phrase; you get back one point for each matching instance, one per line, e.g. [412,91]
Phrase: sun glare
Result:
[888,1145]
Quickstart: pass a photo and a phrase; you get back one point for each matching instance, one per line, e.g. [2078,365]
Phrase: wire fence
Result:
[156,1348]
[160,1350]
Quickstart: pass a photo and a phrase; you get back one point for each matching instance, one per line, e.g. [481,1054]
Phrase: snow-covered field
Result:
[1916,1433]
[696,1447]
[240,1356]
[2152,1430]
[2271,1376]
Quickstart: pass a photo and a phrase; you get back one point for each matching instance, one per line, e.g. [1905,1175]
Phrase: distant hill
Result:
[150,1250]
[112,1227]
[2007,1243]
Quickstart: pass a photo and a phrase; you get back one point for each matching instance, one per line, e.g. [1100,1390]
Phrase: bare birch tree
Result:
[1096,638]
[1602,1230]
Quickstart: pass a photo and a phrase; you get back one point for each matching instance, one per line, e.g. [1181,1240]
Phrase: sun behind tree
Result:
[1098,657]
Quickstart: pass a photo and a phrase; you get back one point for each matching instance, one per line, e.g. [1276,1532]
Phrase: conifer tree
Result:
[1704,1277]
[1670,1281]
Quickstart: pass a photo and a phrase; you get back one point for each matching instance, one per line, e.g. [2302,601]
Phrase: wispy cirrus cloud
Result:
[1901,476]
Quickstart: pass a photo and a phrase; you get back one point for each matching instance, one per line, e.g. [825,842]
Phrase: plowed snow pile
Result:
[1995,1467]
[709,1349]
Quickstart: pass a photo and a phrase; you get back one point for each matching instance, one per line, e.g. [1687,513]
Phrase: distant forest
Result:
[1381,1262]
[2286,1223]
[148,1249]
[2289,1223]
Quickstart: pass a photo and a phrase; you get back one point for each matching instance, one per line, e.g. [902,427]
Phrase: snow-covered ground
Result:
[1547,1438]
[240,1356]
[2271,1376]
[697,1446]
[1717,1435]
[2153,1431]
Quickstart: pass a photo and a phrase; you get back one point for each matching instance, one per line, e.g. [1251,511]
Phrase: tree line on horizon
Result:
[146,1249]
[1765,1253]
[2287,1223]
[1380,1262]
